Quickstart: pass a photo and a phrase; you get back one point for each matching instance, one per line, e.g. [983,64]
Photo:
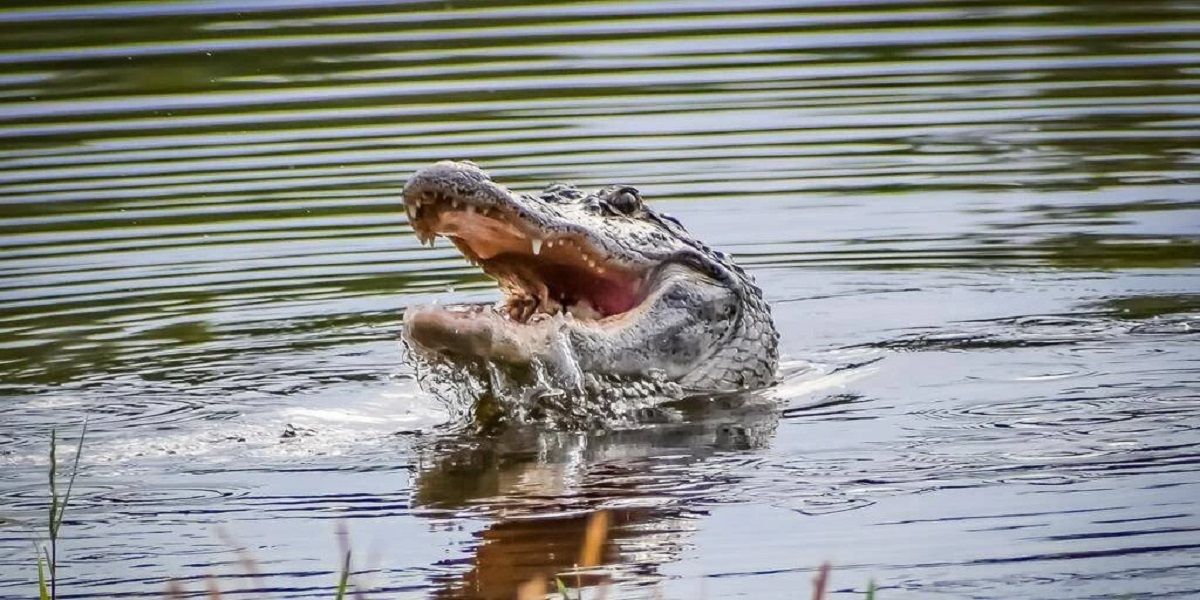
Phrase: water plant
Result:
[47,554]
[590,556]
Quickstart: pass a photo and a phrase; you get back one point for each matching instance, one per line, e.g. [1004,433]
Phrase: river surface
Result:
[978,224]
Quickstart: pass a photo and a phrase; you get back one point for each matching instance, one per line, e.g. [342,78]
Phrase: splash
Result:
[490,396]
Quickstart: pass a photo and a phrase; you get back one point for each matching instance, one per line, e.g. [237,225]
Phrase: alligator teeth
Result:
[426,237]
[550,307]
[536,244]
[583,310]
[470,209]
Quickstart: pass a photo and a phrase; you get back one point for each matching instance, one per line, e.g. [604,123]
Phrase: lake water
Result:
[977,223]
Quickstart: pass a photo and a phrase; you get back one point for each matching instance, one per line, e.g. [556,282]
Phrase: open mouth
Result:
[541,272]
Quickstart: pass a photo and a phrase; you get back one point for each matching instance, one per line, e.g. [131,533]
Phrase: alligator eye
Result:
[625,200]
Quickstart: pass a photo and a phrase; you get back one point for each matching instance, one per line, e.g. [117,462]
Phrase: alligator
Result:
[602,295]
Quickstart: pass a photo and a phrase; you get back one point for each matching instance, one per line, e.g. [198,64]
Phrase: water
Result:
[976,222]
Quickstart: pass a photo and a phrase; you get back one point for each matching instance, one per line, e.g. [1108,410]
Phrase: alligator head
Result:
[597,287]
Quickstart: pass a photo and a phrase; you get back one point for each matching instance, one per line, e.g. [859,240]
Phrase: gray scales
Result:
[608,305]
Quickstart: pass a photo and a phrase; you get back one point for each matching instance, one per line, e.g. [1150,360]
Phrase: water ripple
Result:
[975,221]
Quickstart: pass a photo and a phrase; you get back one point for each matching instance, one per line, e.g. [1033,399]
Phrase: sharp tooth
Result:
[454,204]
[411,210]
[583,310]
[536,243]
[470,209]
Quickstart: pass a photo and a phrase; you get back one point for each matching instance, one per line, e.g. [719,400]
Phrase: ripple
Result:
[1036,413]
[34,497]
[987,209]
[161,498]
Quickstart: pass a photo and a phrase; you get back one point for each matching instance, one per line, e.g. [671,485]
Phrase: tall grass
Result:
[47,554]
[590,554]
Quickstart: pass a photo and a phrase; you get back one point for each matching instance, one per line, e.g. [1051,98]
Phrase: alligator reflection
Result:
[540,488]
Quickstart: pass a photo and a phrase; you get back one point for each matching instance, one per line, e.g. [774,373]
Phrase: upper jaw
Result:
[448,187]
[545,262]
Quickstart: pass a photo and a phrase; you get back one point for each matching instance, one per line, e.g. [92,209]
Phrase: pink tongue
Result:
[612,297]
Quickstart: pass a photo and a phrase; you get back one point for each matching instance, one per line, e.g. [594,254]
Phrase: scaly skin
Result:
[701,324]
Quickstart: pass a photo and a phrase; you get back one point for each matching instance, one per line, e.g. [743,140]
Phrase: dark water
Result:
[977,222]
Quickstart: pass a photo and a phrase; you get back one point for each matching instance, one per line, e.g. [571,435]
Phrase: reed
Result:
[47,554]
[590,554]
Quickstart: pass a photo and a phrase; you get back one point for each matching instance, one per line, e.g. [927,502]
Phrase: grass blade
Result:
[593,541]
[53,485]
[74,472]
[43,592]
[214,590]
[344,580]
[821,581]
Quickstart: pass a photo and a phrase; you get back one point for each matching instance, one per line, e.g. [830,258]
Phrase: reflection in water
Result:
[540,490]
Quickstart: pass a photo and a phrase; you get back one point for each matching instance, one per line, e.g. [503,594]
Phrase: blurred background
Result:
[977,223]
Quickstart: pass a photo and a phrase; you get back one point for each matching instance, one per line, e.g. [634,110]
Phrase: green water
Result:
[976,221]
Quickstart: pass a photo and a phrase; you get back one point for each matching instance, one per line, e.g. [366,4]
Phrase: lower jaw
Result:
[480,330]
[485,332]
[463,329]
